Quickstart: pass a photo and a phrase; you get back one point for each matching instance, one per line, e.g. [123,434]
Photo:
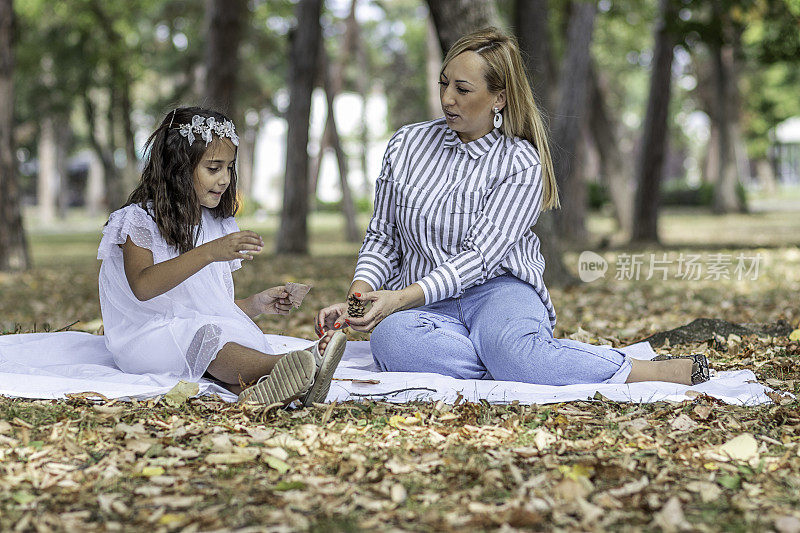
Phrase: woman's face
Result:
[213,175]
[466,100]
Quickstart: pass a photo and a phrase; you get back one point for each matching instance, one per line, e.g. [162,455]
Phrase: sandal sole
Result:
[289,379]
[330,360]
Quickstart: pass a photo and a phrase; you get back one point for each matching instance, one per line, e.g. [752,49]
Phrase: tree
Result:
[650,163]
[332,82]
[725,114]
[570,112]
[225,21]
[615,171]
[531,20]
[13,246]
[454,18]
[303,53]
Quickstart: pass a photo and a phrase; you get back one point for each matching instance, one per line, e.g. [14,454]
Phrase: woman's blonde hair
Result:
[521,117]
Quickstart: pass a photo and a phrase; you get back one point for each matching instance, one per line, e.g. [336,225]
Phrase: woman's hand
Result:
[234,246]
[384,303]
[330,318]
[274,301]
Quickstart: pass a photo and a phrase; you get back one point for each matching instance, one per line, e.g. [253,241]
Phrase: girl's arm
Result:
[148,280]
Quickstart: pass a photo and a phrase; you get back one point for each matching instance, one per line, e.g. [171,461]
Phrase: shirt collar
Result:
[475,148]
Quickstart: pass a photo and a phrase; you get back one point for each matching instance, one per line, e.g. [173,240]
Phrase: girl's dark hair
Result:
[166,189]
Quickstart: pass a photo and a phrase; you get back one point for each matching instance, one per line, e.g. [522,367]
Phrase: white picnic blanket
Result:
[51,365]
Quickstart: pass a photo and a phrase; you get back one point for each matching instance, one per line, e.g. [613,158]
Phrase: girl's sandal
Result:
[325,366]
[701,372]
[290,378]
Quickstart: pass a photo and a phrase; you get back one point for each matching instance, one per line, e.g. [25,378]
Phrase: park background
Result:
[676,141]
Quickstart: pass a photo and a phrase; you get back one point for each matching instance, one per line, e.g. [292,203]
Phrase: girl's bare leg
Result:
[235,362]
[672,371]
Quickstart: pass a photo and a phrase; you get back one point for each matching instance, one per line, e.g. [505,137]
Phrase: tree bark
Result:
[304,48]
[726,116]
[455,18]
[332,83]
[571,110]
[535,48]
[615,172]
[355,44]
[95,187]
[48,178]
[533,34]
[433,65]
[13,245]
[650,164]
[245,158]
[225,23]
[114,186]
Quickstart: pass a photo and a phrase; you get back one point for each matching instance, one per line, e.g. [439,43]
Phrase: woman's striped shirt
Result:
[450,215]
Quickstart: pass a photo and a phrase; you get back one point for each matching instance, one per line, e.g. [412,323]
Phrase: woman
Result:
[451,241]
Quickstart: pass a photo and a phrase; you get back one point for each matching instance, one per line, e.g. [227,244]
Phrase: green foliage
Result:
[361,204]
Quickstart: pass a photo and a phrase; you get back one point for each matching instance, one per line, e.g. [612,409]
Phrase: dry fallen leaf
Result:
[741,448]
[181,392]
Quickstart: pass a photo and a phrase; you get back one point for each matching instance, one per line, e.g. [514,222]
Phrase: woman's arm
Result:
[148,280]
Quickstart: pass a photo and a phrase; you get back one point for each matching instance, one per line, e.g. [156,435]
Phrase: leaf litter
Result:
[196,464]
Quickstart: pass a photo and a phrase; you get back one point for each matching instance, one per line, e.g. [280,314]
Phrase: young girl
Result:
[166,290]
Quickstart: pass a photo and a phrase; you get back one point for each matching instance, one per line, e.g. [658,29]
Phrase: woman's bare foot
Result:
[671,371]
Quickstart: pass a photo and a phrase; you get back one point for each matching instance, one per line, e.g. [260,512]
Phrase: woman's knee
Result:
[390,339]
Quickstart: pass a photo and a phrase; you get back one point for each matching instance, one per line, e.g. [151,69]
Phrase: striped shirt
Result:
[450,215]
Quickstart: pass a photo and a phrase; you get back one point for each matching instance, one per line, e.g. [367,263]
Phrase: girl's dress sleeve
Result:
[134,222]
[229,226]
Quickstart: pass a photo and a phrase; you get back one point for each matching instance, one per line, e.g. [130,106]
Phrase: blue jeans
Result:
[499,330]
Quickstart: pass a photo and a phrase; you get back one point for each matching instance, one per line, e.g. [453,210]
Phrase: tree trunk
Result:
[355,44]
[114,186]
[535,48]
[332,80]
[95,187]
[455,18]
[726,116]
[650,165]
[304,48]
[48,178]
[63,141]
[571,109]
[225,23]
[433,65]
[130,175]
[13,246]
[245,159]
[615,173]
[316,164]
[533,34]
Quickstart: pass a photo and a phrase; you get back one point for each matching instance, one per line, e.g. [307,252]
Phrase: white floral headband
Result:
[205,127]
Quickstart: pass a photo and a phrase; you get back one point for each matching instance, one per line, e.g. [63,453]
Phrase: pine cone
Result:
[355,307]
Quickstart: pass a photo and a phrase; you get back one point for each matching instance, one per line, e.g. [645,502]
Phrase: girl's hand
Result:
[331,318]
[237,245]
[384,303]
[274,301]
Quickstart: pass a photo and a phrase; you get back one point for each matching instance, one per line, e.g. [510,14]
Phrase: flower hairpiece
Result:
[205,127]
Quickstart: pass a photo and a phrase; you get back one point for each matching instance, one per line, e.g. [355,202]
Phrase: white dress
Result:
[177,333]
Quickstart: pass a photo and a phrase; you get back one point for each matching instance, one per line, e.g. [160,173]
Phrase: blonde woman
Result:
[450,263]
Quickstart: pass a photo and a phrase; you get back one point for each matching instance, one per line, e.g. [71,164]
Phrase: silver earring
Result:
[498,118]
